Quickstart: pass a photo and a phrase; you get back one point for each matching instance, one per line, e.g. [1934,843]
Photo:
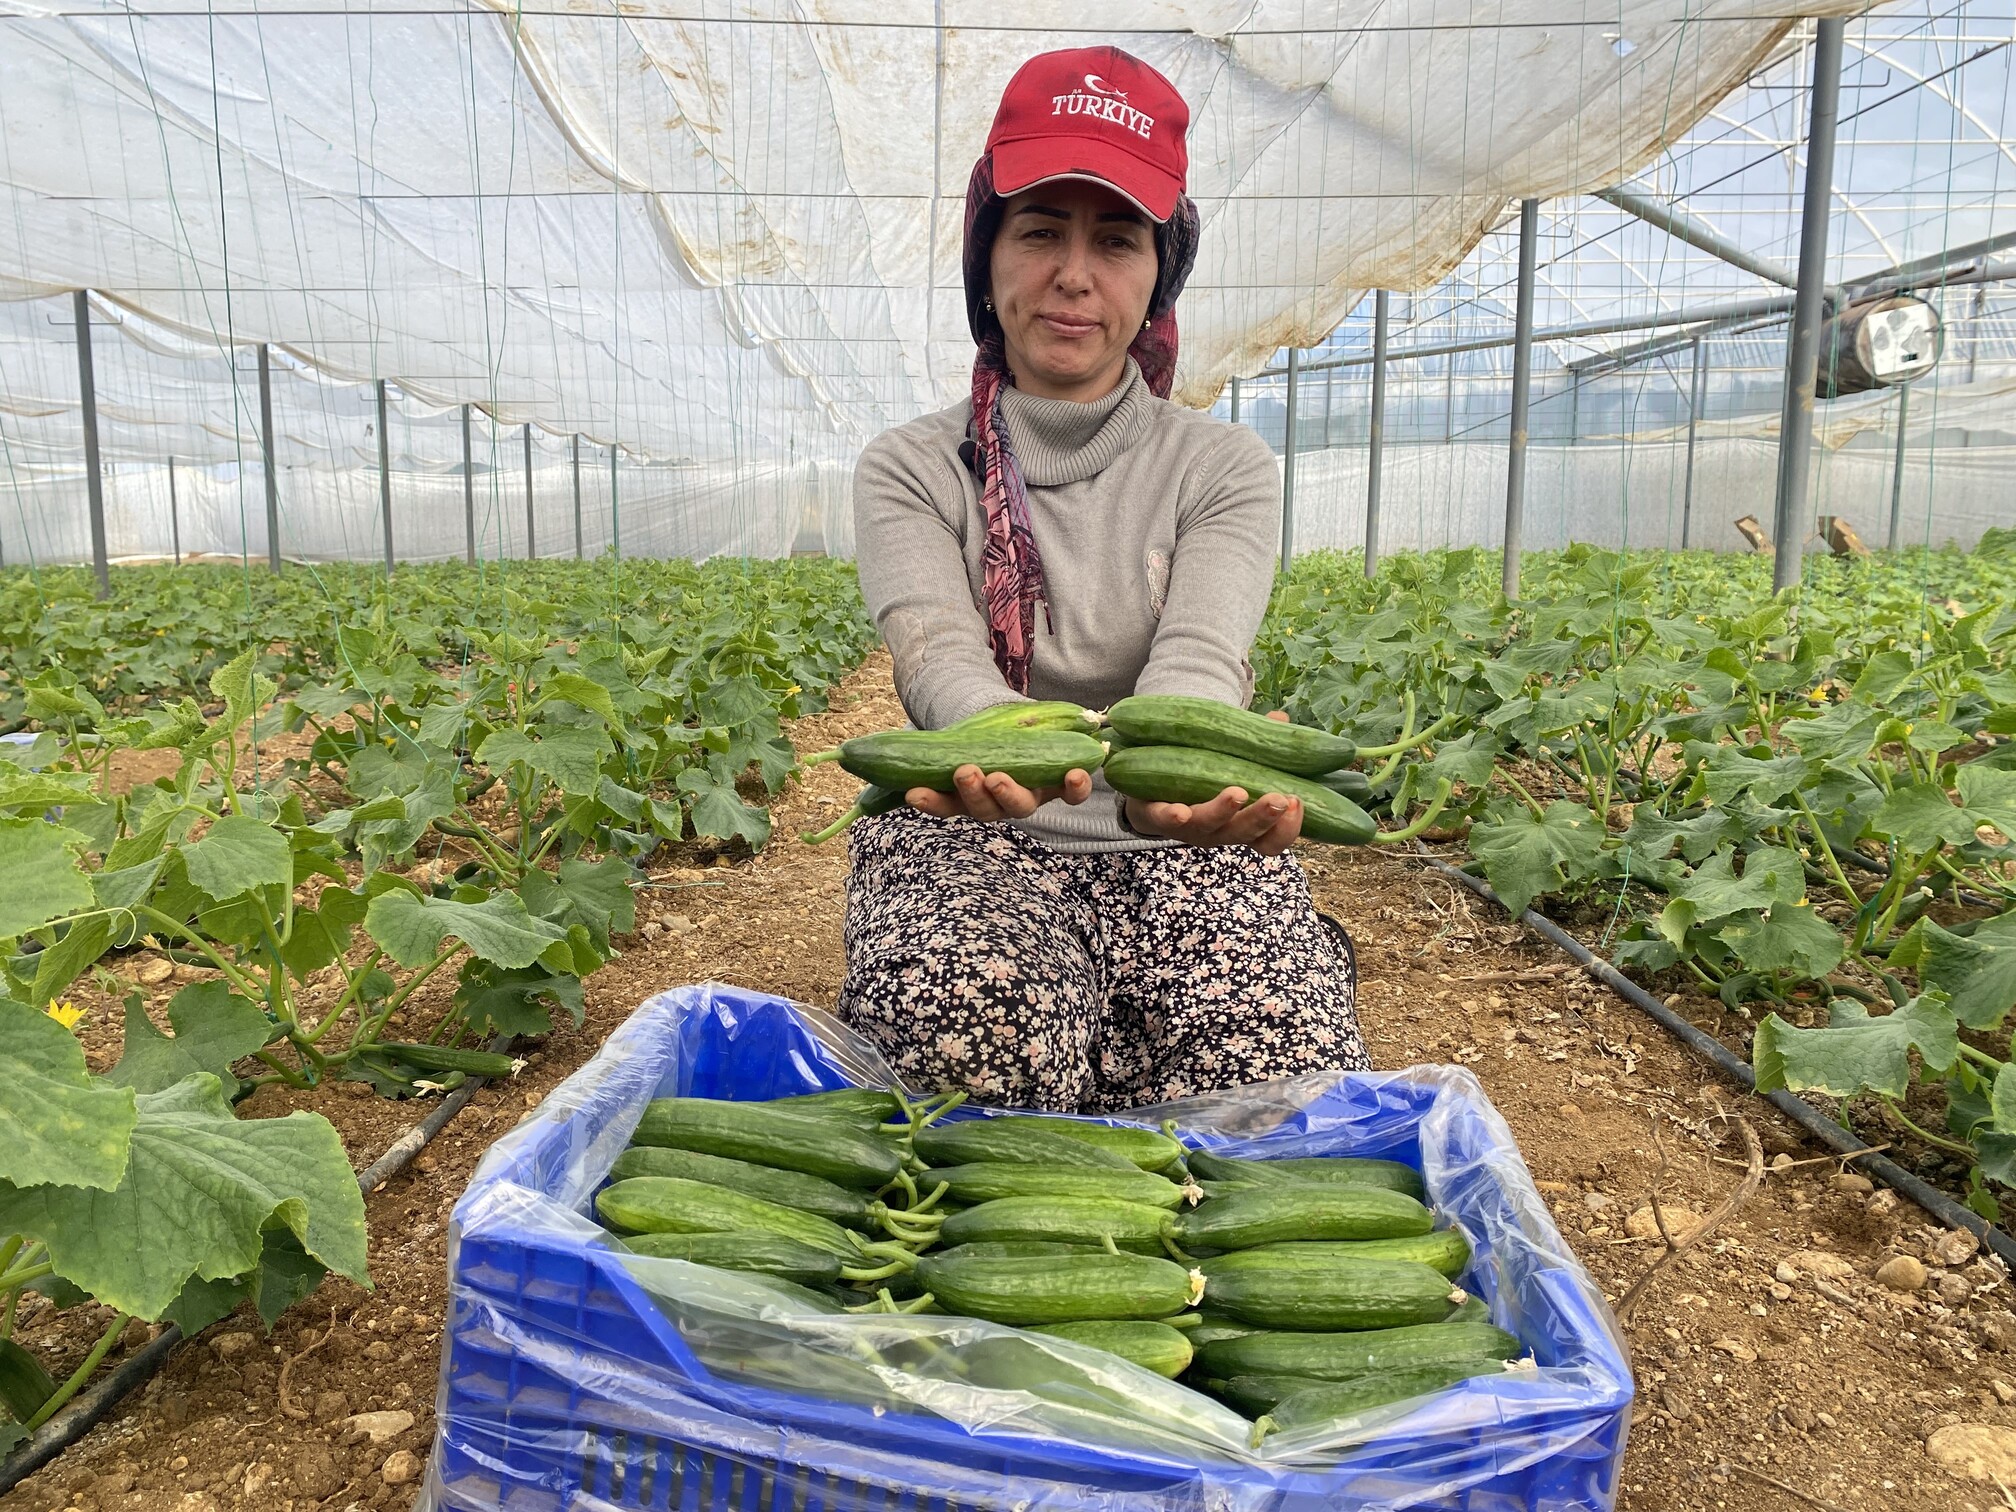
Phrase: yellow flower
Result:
[65,1013]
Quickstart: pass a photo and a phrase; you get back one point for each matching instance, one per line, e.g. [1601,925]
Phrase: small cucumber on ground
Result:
[905,759]
[1316,1405]
[1342,1356]
[1330,1295]
[1152,1346]
[1204,724]
[1057,1288]
[990,1182]
[991,1141]
[1072,1220]
[1175,774]
[1336,1170]
[765,1135]
[1146,1148]
[794,1189]
[1254,1216]
[763,1254]
[485,1063]
[674,1205]
[1445,1249]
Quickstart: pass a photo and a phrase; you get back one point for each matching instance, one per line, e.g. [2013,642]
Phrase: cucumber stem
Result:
[1261,1428]
[1443,788]
[923,1209]
[1111,1247]
[818,758]
[849,1273]
[952,1100]
[1409,742]
[1183,1320]
[903,1179]
[820,837]
[1169,1244]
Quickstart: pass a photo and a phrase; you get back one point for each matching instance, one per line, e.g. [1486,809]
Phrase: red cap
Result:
[1097,113]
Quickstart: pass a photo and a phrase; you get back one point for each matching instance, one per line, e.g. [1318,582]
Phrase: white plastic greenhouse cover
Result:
[720,236]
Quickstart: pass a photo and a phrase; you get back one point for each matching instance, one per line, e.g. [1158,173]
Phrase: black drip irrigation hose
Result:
[1712,1050]
[90,1406]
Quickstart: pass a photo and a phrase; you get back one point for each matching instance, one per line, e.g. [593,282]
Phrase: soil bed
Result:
[1768,1357]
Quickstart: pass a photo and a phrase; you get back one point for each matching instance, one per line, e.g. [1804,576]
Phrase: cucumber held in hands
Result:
[1181,774]
[905,759]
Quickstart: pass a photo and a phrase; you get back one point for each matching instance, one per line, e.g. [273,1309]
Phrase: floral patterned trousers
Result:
[979,958]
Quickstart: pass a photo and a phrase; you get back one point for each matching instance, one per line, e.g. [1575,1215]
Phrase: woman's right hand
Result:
[1270,823]
[995,795]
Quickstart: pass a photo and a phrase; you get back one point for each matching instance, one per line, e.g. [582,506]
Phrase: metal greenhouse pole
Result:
[468,495]
[266,457]
[1522,389]
[1897,466]
[385,476]
[94,484]
[615,515]
[174,514]
[1802,355]
[577,496]
[531,537]
[1288,462]
[1235,401]
[1693,422]
[1375,453]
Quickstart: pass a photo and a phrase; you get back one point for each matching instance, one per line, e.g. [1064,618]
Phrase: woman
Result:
[1071,534]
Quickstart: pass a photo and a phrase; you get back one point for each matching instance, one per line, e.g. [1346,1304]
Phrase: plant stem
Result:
[20,1276]
[237,978]
[1517,787]
[82,1374]
[1927,1135]
[1981,1057]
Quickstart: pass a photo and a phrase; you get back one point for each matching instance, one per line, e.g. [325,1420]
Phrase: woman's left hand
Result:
[1269,825]
[995,795]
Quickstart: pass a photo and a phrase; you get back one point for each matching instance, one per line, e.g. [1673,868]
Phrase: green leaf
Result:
[582,691]
[569,758]
[198,1190]
[213,1025]
[496,1001]
[238,855]
[242,690]
[1920,816]
[39,876]
[1525,857]
[1652,834]
[39,790]
[1856,1053]
[1771,875]
[321,934]
[1977,972]
[2002,1100]
[1844,733]
[1468,760]
[1883,678]
[410,929]
[1732,771]
[62,963]
[56,1124]
[1789,938]
[732,701]
[625,803]
[1990,796]
[718,810]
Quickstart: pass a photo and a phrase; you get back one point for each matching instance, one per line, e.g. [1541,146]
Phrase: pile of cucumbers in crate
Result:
[1296,1291]
[1162,748]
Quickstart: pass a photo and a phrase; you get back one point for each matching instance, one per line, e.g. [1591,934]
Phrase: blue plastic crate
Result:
[564,1386]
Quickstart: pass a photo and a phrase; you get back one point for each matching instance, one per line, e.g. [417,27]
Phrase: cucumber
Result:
[1173,774]
[794,1189]
[1294,1293]
[991,1141]
[1476,1310]
[1444,1249]
[1213,1327]
[1146,1148]
[1353,785]
[1204,724]
[868,803]
[440,1058]
[770,1136]
[868,1105]
[761,1253]
[1071,1220]
[1334,1170]
[1342,1356]
[24,1384]
[905,759]
[1037,1289]
[1254,1216]
[1317,1405]
[1152,1346]
[987,1183]
[1016,1249]
[1041,714]
[675,1205]
[1257,1394]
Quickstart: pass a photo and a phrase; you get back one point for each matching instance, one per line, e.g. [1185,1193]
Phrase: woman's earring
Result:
[1146,323]
[987,303]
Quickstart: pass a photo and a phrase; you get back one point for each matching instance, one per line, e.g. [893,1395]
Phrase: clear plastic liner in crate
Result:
[565,1356]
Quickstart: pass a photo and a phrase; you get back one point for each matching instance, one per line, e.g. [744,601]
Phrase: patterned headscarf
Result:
[1011,568]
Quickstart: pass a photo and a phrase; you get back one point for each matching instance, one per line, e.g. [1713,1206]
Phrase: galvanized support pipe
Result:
[94,483]
[266,457]
[385,476]
[1329,379]
[174,514]
[1575,409]
[1693,423]
[531,530]
[1288,462]
[1375,453]
[1897,466]
[1522,390]
[1681,226]
[577,496]
[1802,357]
[1235,401]
[468,495]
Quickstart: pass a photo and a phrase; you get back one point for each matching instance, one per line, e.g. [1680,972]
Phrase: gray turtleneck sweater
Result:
[1158,528]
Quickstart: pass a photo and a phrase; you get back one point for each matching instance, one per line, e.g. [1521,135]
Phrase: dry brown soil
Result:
[1775,1372]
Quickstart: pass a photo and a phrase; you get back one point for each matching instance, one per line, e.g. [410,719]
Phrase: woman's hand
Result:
[995,795]
[1270,825]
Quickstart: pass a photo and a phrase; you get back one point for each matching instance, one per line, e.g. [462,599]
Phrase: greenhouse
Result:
[1102,758]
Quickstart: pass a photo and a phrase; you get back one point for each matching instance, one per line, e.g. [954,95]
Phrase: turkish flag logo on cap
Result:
[1095,113]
